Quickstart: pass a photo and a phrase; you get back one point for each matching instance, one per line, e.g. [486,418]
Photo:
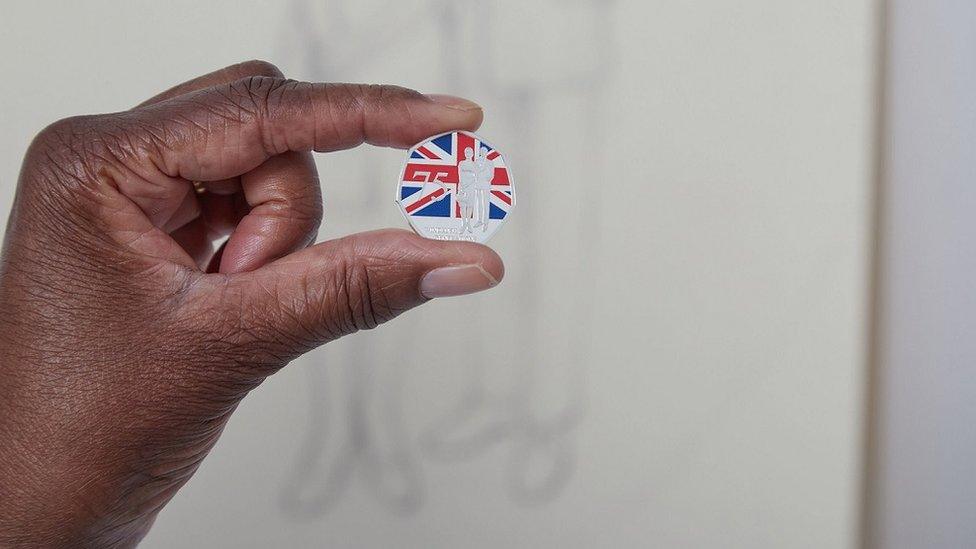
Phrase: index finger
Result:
[232,129]
[225,131]
[226,75]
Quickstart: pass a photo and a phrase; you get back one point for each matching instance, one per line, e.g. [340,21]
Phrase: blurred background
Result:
[685,350]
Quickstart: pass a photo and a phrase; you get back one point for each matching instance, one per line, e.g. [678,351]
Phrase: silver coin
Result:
[455,186]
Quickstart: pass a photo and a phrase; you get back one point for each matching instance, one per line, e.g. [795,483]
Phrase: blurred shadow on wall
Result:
[374,445]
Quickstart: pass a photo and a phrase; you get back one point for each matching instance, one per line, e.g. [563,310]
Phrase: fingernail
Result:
[458,103]
[456,280]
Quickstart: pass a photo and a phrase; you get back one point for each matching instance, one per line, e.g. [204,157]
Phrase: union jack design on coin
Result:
[455,186]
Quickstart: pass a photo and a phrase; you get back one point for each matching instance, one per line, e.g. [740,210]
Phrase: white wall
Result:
[924,458]
[675,357]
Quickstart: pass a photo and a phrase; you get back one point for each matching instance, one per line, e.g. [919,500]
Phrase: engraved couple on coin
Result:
[475,175]
[455,186]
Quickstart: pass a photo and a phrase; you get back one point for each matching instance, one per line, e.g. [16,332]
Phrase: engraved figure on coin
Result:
[482,187]
[468,179]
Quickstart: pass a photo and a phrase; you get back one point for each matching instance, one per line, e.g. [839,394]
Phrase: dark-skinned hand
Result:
[127,340]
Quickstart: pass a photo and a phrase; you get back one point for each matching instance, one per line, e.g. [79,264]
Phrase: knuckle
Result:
[249,95]
[67,127]
[260,86]
[72,152]
[357,302]
[262,91]
[352,303]
[257,67]
[263,98]
[67,135]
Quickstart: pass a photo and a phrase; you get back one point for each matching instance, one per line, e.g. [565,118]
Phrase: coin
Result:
[455,186]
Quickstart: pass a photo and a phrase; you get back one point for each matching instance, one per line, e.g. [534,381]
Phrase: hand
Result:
[126,342]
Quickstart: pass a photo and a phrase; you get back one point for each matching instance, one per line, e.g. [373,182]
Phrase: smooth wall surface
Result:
[675,358]
[925,451]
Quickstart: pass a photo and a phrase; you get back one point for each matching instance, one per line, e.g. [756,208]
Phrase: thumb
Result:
[358,282]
